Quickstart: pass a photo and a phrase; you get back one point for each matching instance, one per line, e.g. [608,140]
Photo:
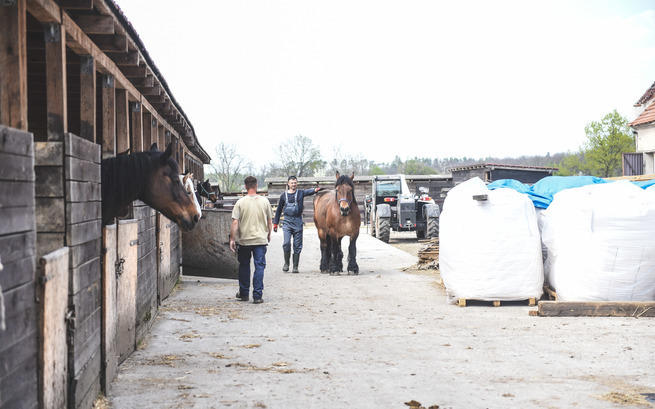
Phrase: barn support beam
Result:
[108,117]
[136,124]
[161,138]
[122,121]
[13,65]
[55,59]
[88,98]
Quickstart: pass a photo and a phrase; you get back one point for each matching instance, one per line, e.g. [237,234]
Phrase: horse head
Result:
[165,192]
[345,192]
[205,189]
[187,182]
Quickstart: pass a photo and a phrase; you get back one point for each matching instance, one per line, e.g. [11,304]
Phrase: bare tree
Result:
[299,156]
[347,163]
[228,167]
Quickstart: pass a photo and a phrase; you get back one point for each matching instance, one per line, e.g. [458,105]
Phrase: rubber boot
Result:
[287,254]
[296,258]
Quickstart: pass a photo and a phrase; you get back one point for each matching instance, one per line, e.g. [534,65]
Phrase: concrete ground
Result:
[377,340]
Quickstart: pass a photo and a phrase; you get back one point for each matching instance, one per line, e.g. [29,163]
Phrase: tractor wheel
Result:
[372,226]
[383,228]
[433,227]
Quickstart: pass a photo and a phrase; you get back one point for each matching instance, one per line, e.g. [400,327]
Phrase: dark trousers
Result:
[292,230]
[259,255]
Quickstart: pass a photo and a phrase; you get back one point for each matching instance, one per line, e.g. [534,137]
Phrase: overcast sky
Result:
[409,78]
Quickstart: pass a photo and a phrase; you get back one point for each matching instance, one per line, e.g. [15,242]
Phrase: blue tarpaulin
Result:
[542,192]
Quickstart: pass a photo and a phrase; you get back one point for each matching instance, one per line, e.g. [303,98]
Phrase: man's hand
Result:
[316,189]
[269,236]
[275,228]
[233,246]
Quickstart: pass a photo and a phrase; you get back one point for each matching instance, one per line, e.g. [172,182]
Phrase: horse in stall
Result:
[336,215]
[204,189]
[187,182]
[152,177]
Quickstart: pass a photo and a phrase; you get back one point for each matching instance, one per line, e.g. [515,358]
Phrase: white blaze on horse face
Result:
[187,182]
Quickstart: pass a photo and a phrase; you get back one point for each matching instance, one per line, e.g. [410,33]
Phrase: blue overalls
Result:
[292,225]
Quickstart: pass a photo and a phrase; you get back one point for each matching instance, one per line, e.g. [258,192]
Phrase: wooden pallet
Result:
[633,309]
[462,302]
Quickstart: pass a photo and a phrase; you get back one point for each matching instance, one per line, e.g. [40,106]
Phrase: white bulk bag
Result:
[489,250]
[600,242]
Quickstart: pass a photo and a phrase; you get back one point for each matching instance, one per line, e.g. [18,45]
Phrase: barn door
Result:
[109,319]
[53,294]
[126,286]
[164,255]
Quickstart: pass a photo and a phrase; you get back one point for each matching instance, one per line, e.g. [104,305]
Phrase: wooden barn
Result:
[76,86]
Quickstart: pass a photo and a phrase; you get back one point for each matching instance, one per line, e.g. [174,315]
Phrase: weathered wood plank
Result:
[81,148]
[55,55]
[86,340]
[85,252]
[16,219]
[50,214]
[122,121]
[16,168]
[96,24]
[88,98]
[53,362]
[16,142]
[634,309]
[13,65]
[77,4]
[108,117]
[16,194]
[16,247]
[79,212]
[147,130]
[126,289]
[17,272]
[85,386]
[86,301]
[20,388]
[85,275]
[48,154]
[81,170]
[49,181]
[48,242]
[83,232]
[17,355]
[83,191]
[20,317]
[109,313]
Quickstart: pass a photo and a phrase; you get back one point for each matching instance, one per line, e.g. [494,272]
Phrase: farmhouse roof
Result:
[646,117]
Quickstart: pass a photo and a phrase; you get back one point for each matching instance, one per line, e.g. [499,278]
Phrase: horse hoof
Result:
[324,271]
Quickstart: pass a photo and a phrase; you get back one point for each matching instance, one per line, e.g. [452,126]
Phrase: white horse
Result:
[187,182]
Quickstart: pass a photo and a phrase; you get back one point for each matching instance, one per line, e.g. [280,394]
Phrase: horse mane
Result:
[345,180]
[124,177]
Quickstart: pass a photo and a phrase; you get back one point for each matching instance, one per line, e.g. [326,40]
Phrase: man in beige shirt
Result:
[250,234]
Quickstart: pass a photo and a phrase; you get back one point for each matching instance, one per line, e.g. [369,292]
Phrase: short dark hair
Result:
[250,182]
[292,177]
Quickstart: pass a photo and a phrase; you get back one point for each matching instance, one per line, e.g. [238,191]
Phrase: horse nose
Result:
[196,218]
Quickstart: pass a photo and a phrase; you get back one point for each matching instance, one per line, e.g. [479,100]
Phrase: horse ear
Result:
[167,153]
[352,175]
[185,178]
[207,181]
[154,148]
[338,174]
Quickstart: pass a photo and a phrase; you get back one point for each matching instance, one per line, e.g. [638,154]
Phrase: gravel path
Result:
[376,340]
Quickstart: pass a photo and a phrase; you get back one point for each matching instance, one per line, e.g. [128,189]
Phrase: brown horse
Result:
[336,215]
[152,177]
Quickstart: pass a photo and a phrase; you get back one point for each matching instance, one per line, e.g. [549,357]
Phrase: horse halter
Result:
[206,193]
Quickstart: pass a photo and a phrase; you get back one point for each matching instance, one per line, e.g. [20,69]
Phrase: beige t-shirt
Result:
[253,214]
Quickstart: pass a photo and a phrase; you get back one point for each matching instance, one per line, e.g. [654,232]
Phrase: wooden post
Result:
[147,129]
[122,121]
[108,117]
[128,234]
[137,127]
[109,318]
[154,132]
[162,138]
[167,137]
[13,65]
[55,57]
[88,98]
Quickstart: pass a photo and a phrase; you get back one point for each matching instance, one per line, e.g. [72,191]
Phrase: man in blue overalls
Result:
[291,203]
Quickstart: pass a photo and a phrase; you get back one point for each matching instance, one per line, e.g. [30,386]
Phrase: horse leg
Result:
[339,256]
[325,253]
[333,255]
[352,254]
